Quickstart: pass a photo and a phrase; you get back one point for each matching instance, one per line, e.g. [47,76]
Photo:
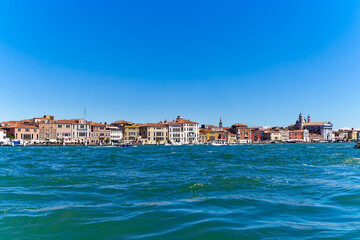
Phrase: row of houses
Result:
[179,131]
[347,135]
[80,131]
[49,130]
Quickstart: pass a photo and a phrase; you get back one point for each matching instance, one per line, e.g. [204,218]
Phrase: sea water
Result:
[260,191]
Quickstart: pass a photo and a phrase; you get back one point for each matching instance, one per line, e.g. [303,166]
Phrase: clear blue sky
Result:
[253,62]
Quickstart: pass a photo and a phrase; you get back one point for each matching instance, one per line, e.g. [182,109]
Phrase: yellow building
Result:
[202,138]
[231,138]
[153,133]
[211,135]
[352,135]
[273,136]
[130,130]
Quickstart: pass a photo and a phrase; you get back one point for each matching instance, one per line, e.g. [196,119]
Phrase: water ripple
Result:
[262,191]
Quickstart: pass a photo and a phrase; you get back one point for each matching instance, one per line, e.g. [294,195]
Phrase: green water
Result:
[274,191]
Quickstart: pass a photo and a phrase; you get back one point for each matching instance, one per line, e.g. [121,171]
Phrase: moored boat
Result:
[126,145]
[219,142]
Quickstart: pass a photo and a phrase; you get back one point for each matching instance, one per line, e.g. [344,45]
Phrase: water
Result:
[275,191]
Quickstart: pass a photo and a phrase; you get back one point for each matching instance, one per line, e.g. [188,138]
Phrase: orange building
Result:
[296,134]
[28,133]
[243,133]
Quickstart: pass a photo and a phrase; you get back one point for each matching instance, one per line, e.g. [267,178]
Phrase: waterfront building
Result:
[272,136]
[299,135]
[202,138]
[341,135]
[22,132]
[231,137]
[175,133]
[153,133]
[315,137]
[243,133]
[306,135]
[130,130]
[284,135]
[190,130]
[211,135]
[324,129]
[222,135]
[3,138]
[81,131]
[116,134]
[73,131]
[352,135]
[47,131]
[64,131]
[255,134]
[99,134]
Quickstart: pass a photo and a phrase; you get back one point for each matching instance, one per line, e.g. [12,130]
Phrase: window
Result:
[26,136]
[59,126]
[67,126]
[82,134]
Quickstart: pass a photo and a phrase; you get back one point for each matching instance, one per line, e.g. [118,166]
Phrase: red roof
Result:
[19,125]
[152,125]
[240,125]
[122,122]
[182,121]
[66,121]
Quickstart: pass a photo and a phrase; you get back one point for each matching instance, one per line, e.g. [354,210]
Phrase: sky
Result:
[255,62]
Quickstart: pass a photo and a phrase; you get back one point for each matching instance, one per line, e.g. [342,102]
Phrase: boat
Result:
[219,142]
[173,144]
[125,145]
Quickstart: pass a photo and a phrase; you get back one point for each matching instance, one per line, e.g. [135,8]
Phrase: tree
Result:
[11,136]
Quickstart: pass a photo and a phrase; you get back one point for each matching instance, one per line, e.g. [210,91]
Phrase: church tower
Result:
[301,122]
[308,118]
[220,123]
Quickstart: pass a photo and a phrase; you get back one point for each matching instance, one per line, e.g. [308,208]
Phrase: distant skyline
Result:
[252,62]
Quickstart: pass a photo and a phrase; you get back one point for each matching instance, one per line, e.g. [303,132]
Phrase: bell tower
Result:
[301,122]
[220,123]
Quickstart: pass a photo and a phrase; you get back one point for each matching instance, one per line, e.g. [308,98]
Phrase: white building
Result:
[190,130]
[81,131]
[306,137]
[284,135]
[116,134]
[324,129]
[176,135]
[3,138]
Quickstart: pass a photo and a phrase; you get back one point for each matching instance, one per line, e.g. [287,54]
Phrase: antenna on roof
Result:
[85,113]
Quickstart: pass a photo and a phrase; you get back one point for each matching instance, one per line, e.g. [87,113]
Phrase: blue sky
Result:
[253,62]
